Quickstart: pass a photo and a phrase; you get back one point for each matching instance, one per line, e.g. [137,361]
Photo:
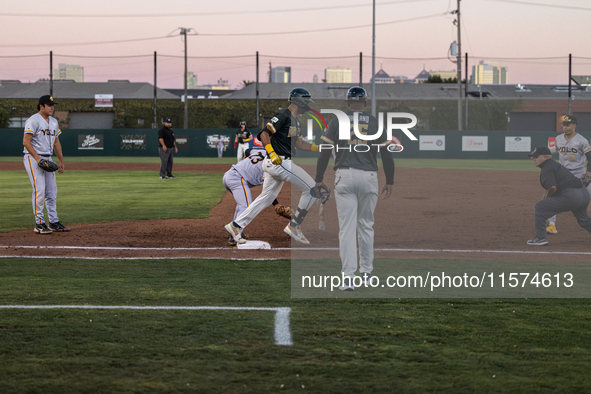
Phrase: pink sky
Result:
[491,29]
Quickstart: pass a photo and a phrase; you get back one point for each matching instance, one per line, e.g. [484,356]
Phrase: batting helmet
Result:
[242,123]
[300,97]
[357,93]
[247,152]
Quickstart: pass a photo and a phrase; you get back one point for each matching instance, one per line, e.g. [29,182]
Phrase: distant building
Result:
[444,74]
[383,77]
[281,75]
[71,72]
[422,76]
[489,73]
[191,80]
[338,75]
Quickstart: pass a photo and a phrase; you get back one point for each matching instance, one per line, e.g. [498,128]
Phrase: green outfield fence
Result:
[198,143]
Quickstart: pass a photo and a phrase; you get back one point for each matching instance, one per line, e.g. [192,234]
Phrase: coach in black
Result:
[167,143]
[564,192]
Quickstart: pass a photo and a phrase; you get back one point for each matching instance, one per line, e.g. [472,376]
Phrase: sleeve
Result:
[161,133]
[276,123]
[330,135]
[30,126]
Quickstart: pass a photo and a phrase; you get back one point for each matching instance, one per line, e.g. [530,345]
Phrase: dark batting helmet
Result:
[300,97]
[357,93]
[242,123]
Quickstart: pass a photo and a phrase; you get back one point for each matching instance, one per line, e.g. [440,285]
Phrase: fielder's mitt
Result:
[283,211]
[322,193]
[48,165]
[586,180]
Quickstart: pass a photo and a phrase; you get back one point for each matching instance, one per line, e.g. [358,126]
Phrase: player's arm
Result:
[57,147]
[162,144]
[553,149]
[28,144]
[389,169]
[303,145]
[266,140]
[588,155]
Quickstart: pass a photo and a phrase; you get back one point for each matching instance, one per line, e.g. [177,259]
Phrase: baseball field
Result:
[145,295]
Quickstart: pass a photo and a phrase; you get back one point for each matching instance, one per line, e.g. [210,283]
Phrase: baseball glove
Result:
[48,165]
[283,211]
[586,179]
[322,193]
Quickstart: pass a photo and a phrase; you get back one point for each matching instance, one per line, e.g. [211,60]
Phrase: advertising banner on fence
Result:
[475,143]
[182,141]
[91,142]
[133,141]
[432,142]
[103,100]
[518,144]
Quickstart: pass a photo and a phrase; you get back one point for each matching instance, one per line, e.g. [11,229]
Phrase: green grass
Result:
[383,345]
[95,197]
[460,164]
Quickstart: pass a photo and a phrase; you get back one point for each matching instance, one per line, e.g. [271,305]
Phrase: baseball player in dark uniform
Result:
[564,192]
[167,143]
[356,185]
[280,137]
[242,138]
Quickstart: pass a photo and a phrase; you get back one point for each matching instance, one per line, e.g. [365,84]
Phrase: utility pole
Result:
[373,62]
[184,32]
[466,88]
[257,92]
[155,123]
[570,77]
[361,69]
[51,73]
[459,68]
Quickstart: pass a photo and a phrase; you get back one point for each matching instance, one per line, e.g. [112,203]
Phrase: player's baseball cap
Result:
[247,152]
[167,120]
[569,119]
[540,151]
[243,123]
[47,99]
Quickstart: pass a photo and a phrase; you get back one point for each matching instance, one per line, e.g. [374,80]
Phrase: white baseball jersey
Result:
[251,169]
[44,134]
[572,153]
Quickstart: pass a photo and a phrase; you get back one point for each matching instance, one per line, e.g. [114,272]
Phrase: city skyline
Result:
[491,29]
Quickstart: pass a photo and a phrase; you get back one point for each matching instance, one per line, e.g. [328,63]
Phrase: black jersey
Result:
[242,135]
[285,130]
[554,174]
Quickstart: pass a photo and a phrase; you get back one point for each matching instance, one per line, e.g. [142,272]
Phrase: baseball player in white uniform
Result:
[356,186]
[220,145]
[279,137]
[242,138]
[573,149]
[241,177]
[41,138]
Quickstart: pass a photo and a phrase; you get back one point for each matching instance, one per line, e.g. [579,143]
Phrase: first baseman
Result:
[573,149]
[279,137]
[40,140]
[564,192]
[356,185]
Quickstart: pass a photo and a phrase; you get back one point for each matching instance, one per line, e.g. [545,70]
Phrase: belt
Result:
[353,168]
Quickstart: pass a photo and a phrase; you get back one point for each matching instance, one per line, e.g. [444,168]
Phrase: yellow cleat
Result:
[551,229]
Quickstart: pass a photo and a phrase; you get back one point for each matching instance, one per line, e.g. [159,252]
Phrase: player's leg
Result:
[240,153]
[170,161]
[367,192]
[271,188]
[162,162]
[305,182]
[581,212]
[51,197]
[549,207]
[347,204]
[37,178]
[551,225]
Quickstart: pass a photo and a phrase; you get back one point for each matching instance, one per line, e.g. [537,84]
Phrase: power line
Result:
[81,43]
[543,5]
[249,12]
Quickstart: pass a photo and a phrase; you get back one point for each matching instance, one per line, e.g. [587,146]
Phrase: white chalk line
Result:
[307,249]
[282,331]
[138,258]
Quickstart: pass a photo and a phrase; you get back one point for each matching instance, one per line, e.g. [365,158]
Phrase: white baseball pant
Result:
[44,189]
[235,184]
[241,149]
[356,196]
[275,177]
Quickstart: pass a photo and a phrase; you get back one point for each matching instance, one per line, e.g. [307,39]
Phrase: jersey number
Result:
[255,158]
[362,130]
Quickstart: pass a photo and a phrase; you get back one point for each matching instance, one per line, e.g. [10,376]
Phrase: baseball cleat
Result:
[231,241]
[234,232]
[551,229]
[537,242]
[42,229]
[366,278]
[58,227]
[170,177]
[347,284]
[244,236]
[296,234]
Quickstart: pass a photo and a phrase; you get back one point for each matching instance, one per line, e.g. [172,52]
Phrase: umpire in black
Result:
[167,143]
[564,192]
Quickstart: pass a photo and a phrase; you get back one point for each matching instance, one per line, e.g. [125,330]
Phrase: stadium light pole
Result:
[184,32]
[373,62]
[459,65]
